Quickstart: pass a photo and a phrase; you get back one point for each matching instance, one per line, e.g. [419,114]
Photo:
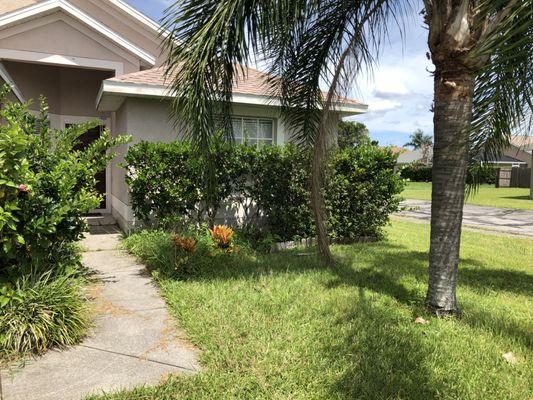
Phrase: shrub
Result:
[476,174]
[271,182]
[417,172]
[46,185]
[41,312]
[281,190]
[361,192]
[222,236]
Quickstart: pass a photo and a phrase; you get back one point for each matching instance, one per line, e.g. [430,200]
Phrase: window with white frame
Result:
[253,131]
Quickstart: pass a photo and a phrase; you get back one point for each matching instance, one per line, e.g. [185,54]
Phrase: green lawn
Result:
[487,195]
[282,327]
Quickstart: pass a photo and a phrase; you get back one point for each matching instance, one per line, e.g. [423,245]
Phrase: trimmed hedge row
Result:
[418,172]
[271,185]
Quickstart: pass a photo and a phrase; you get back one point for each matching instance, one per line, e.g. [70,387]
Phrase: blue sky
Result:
[399,93]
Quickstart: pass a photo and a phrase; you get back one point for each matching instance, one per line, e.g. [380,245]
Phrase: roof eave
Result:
[115,89]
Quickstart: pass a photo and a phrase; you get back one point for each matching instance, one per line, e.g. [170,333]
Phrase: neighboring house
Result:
[517,155]
[102,59]
[410,156]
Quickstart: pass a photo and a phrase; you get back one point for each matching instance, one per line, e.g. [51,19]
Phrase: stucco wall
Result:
[52,38]
[148,119]
[120,22]
[68,91]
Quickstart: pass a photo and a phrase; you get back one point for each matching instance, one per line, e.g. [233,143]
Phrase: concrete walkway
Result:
[504,220]
[134,341]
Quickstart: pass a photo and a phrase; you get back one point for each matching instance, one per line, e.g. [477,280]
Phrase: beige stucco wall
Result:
[68,91]
[148,119]
[120,22]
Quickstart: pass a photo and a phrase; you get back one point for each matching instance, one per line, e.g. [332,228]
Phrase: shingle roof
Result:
[7,6]
[253,84]
[523,142]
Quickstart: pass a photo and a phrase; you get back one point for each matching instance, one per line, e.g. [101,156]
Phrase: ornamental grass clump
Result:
[42,312]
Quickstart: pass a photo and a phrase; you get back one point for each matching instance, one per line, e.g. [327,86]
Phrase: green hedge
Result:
[418,172]
[271,184]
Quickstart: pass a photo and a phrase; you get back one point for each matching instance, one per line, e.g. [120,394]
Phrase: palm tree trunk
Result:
[454,85]
[317,198]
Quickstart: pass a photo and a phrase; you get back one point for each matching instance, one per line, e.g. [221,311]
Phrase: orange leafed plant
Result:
[222,236]
[186,243]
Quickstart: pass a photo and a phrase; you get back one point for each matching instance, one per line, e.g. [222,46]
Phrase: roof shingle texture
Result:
[523,142]
[253,84]
[7,6]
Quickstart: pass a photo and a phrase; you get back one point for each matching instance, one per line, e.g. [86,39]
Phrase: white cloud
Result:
[388,88]
[381,106]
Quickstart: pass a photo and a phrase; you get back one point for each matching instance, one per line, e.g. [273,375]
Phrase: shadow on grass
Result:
[526,197]
[384,361]
[498,325]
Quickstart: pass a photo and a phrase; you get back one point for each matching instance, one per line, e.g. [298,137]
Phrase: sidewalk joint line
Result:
[137,357]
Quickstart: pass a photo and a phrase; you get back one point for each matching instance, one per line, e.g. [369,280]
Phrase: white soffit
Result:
[22,14]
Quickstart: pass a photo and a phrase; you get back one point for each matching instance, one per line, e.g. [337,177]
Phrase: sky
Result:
[399,93]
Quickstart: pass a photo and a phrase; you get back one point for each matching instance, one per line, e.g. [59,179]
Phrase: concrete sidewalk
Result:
[134,341]
[504,220]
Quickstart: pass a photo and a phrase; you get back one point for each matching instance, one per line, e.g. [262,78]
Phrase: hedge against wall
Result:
[271,184]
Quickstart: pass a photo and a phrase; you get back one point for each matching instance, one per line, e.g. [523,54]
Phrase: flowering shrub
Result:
[222,236]
[46,185]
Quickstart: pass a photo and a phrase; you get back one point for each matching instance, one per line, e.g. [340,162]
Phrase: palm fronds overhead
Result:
[503,96]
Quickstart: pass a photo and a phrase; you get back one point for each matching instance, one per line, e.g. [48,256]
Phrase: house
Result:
[102,59]
[409,156]
[517,155]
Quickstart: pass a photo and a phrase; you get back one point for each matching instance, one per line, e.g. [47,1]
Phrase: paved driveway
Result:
[510,221]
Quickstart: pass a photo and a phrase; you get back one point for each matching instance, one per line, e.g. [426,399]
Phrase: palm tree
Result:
[483,84]
[482,52]
[419,140]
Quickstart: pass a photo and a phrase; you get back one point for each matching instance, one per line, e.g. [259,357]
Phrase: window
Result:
[253,131]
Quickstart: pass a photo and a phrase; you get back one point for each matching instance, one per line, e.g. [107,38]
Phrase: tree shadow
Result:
[498,325]
[384,268]
[526,197]
[383,360]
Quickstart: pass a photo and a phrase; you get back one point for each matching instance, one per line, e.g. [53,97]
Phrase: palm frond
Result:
[503,94]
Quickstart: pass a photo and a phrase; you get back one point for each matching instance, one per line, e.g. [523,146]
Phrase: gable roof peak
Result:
[48,6]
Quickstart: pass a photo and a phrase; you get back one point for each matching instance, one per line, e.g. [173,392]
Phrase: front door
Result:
[86,139]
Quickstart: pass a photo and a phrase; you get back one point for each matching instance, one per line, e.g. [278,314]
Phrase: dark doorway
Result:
[85,140]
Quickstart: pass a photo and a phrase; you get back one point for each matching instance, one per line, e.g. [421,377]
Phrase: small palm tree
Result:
[420,141]
[301,43]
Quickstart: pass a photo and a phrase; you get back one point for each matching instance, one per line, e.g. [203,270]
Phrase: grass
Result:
[282,327]
[487,195]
